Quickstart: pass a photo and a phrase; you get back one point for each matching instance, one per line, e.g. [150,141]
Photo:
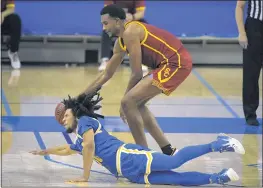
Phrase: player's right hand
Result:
[123,116]
[41,152]
[242,39]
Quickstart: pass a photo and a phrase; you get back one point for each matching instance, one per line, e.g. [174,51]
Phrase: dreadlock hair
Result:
[85,105]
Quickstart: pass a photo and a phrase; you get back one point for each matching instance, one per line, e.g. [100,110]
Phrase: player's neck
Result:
[122,29]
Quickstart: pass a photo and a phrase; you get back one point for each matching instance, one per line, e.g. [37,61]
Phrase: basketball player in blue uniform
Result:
[136,163]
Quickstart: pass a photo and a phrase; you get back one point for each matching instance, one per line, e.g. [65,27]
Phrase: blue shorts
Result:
[133,161]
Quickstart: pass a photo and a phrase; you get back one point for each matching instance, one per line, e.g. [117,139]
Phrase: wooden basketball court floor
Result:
[207,103]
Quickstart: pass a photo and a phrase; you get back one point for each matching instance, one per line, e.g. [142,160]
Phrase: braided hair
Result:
[84,105]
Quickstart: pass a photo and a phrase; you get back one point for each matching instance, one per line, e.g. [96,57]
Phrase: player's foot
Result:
[225,176]
[252,121]
[103,64]
[144,68]
[225,143]
[14,58]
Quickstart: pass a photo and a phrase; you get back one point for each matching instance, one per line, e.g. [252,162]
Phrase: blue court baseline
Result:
[114,124]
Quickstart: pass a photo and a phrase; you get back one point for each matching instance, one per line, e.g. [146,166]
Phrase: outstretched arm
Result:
[112,65]
[59,150]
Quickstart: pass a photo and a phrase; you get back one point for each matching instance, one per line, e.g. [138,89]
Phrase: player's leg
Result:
[223,143]
[12,27]
[188,178]
[252,64]
[130,105]
[146,89]
[154,129]
[166,82]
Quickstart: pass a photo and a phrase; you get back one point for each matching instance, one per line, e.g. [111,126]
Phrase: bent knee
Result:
[127,102]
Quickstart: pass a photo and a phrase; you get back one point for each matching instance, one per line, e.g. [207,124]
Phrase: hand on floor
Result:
[78,180]
[41,152]
[123,116]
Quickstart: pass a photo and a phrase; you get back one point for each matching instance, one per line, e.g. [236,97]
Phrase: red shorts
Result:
[168,76]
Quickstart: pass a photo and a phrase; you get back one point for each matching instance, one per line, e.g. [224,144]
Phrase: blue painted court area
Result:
[114,124]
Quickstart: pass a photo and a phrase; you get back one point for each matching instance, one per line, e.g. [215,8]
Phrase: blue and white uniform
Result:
[142,165]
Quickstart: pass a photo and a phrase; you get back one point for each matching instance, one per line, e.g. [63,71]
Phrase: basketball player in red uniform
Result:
[135,10]
[154,47]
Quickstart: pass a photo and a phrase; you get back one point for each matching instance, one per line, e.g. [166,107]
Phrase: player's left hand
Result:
[41,152]
[78,180]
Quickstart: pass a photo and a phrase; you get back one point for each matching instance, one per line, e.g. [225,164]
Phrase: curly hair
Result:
[85,105]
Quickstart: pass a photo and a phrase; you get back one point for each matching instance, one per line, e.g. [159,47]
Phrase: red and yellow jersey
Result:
[131,6]
[7,4]
[160,46]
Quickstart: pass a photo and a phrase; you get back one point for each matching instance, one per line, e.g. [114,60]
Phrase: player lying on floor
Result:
[136,163]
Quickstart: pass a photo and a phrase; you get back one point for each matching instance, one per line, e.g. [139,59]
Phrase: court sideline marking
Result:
[213,91]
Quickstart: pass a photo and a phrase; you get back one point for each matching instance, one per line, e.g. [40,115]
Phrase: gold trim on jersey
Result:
[167,74]
[98,160]
[123,47]
[160,86]
[95,158]
[146,32]
[11,5]
[99,128]
[118,161]
[96,132]
[79,136]
[140,8]
[148,154]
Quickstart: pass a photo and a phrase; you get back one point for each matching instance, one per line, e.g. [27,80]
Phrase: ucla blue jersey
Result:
[106,146]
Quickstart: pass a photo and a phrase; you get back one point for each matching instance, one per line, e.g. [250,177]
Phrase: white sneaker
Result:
[225,143]
[144,68]
[225,176]
[103,64]
[14,58]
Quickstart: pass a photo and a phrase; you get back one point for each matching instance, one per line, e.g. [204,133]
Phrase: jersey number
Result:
[167,72]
